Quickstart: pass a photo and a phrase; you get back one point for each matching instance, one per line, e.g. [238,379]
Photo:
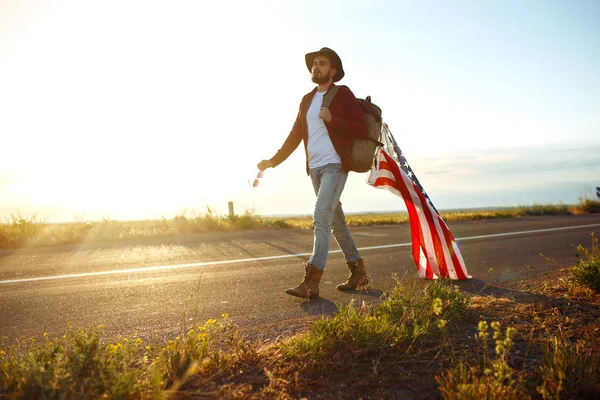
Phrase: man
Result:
[327,135]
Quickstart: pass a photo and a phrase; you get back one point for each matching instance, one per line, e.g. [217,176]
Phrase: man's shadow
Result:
[376,293]
[479,287]
[321,306]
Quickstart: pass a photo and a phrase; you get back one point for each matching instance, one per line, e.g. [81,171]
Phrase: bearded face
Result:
[320,78]
[321,70]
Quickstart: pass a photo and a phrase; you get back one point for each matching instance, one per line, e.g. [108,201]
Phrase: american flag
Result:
[434,249]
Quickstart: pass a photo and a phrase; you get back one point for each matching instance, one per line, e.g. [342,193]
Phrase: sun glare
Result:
[136,109]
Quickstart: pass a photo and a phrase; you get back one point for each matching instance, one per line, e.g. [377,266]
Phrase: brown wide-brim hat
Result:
[336,62]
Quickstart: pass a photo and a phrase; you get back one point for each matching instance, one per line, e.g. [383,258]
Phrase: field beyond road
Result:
[22,232]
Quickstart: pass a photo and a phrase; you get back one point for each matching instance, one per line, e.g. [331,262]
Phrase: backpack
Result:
[363,150]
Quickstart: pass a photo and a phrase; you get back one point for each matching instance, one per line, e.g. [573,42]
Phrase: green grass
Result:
[404,316]
[20,231]
[586,272]
[570,370]
[490,377]
[83,364]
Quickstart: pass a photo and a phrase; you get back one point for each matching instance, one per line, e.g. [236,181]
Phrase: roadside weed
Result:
[183,356]
[586,271]
[490,377]
[76,365]
[405,315]
[570,370]
[80,365]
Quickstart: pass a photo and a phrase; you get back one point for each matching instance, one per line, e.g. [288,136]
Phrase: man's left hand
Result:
[325,114]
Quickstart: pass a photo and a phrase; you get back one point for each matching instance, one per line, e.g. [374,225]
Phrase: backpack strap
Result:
[329,96]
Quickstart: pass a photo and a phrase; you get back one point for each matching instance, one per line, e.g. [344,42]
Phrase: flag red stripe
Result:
[418,237]
[431,237]
[415,223]
[429,240]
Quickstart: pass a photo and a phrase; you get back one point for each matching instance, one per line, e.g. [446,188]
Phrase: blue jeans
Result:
[328,182]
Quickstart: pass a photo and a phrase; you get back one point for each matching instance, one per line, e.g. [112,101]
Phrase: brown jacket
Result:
[347,122]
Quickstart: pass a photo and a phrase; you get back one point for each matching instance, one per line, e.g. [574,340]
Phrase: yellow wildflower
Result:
[511,332]
[483,327]
[500,349]
[437,306]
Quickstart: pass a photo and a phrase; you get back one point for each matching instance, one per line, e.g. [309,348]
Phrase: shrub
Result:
[588,206]
[405,315]
[76,365]
[183,356]
[570,371]
[586,271]
[80,365]
[490,378]
[18,231]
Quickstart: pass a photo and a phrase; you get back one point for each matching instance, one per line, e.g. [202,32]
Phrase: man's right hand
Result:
[264,164]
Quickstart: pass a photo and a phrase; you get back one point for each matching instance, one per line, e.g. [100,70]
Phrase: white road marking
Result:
[243,260]
[564,228]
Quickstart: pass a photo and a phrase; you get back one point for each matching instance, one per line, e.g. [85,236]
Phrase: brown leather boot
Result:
[309,287]
[358,276]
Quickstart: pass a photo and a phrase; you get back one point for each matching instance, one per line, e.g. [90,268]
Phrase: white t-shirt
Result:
[320,149]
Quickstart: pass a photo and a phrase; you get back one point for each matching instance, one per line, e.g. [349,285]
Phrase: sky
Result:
[142,109]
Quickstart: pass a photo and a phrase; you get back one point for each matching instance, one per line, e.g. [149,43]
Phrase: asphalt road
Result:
[157,288]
